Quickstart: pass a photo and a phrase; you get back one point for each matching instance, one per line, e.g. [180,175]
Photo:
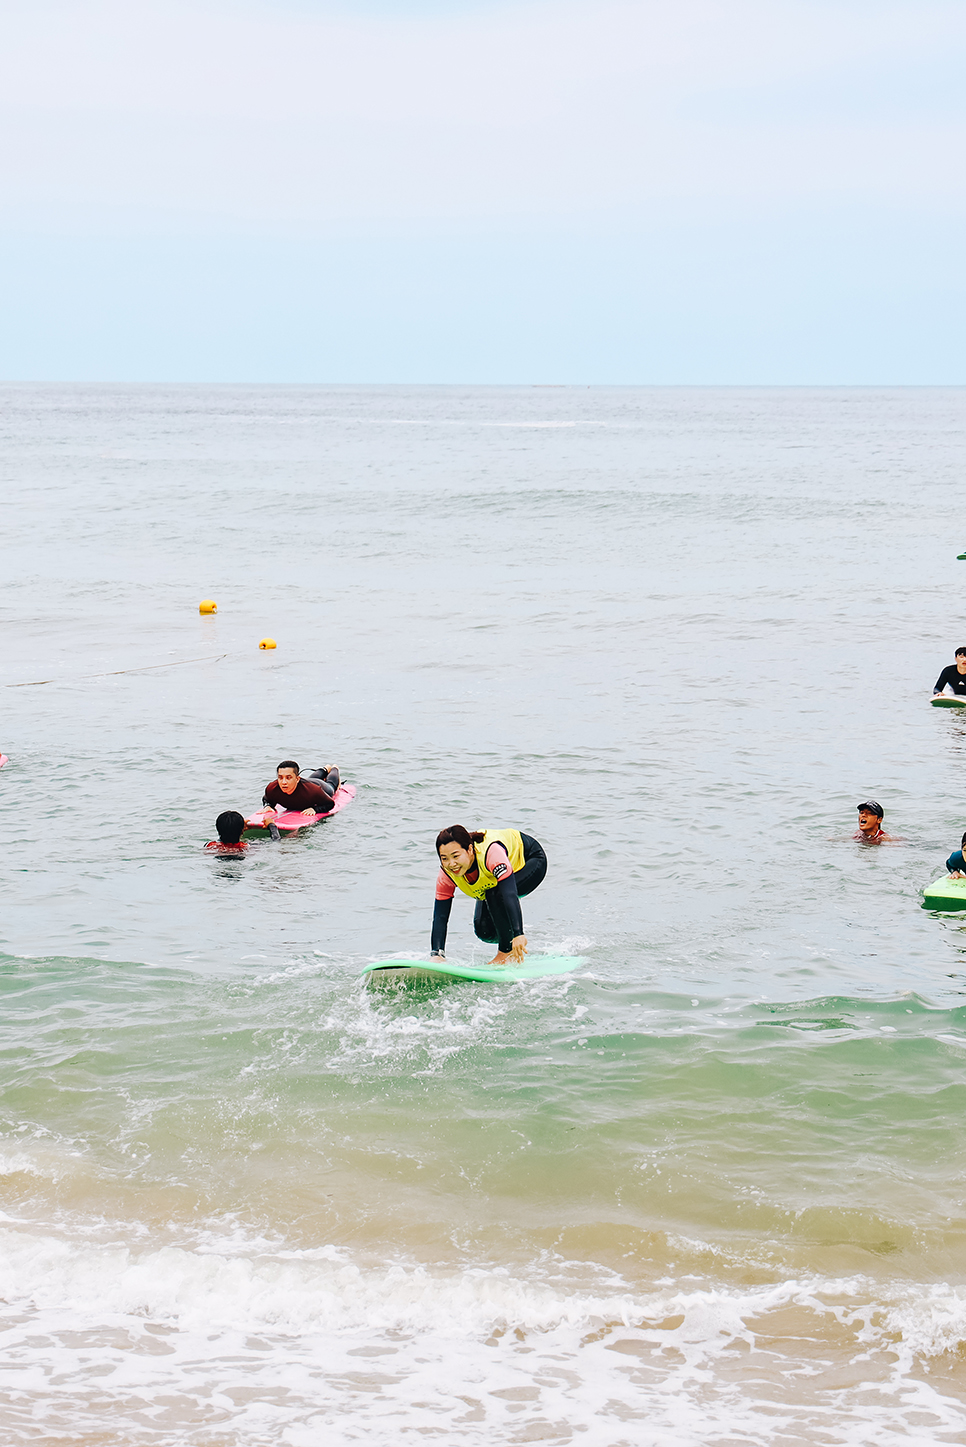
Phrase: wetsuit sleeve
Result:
[441,911]
[445,889]
[952,676]
[309,794]
[956,862]
[325,803]
[507,889]
[497,861]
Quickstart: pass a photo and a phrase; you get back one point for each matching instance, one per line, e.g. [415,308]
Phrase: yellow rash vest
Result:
[512,843]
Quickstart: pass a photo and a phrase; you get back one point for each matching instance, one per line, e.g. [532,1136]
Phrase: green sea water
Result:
[706,1188]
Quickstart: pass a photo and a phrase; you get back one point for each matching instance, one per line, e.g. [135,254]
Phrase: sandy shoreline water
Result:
[706,1189]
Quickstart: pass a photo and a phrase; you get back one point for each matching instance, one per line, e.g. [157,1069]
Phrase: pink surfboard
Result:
[291,821]
[5,760]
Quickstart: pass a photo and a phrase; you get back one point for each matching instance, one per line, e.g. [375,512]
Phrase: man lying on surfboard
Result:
[954,676]
[311,795]
[495,868]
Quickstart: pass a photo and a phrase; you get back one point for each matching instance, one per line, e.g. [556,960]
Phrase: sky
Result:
[469,191]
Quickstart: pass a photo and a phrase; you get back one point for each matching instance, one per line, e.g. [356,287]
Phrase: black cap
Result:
[872,807]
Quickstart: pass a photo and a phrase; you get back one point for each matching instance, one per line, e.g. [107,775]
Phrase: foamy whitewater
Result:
[706,1189]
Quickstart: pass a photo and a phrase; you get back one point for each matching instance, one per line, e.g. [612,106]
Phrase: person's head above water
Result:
[455,848]
[287,775]
[961,659]
[870,816]
[230,826]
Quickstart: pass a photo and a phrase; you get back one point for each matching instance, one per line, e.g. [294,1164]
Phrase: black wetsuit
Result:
[956,864]
[328,778]
[498,918]
[952,676]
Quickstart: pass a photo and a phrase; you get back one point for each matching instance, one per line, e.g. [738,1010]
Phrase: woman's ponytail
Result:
[456,834]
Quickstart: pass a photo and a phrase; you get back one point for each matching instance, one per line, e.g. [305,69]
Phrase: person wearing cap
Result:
[954,676]
[870,829]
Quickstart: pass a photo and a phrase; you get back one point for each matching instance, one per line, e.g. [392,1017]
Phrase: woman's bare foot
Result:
[500,958]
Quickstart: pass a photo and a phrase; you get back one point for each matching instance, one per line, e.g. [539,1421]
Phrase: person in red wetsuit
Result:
[288,790]
[229,826]
[870,830]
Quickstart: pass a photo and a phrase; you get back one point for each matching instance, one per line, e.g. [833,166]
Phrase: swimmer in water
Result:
[495,868]
[229,826]
[954,676]
[870,830]
[956,863]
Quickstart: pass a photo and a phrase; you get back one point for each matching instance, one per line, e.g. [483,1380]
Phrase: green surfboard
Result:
[945,893]
[401,972]
[948,700]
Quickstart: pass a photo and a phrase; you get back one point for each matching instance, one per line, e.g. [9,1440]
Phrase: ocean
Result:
[706,1189]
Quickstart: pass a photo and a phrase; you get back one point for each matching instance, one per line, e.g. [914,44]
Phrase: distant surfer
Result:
[870,830]
[496,868]
[229,826]
[312,795]
[956,863]
[954,676]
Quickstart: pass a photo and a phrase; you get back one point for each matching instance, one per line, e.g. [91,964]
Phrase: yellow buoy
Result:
[267,643]
[207,605]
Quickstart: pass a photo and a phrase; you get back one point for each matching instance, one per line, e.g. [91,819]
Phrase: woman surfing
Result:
[496,868]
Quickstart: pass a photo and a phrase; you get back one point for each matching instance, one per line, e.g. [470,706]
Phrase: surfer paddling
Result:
[496,868]
[956,863]
[311,795]
[953,677]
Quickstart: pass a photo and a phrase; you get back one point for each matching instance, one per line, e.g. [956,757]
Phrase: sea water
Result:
[709,1187]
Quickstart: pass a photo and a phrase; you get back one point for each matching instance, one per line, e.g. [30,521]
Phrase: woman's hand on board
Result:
[518,949]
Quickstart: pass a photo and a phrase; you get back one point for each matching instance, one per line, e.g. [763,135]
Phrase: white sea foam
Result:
[370,1030]
[250,1345]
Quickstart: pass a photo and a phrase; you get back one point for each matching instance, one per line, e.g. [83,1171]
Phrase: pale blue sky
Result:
[681,191]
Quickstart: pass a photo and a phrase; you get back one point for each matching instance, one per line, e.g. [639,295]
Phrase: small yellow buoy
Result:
[267,643]
[207,605]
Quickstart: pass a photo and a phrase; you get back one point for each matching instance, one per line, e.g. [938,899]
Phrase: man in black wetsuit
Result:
[954,676]
[313,795]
